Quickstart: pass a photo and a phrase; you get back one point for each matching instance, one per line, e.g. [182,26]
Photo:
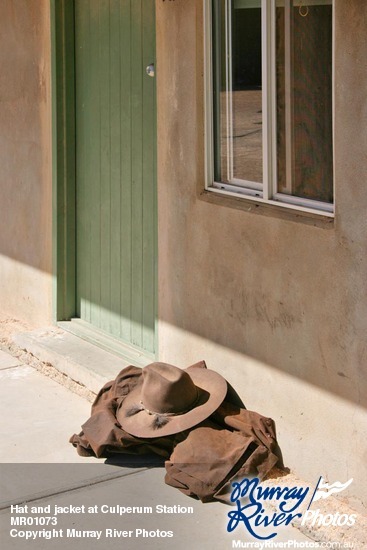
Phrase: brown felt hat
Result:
[168,400]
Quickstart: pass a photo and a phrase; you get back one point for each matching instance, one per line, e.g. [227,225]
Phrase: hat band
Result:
[191,406]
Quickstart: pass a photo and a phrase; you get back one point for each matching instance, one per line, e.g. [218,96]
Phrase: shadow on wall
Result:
[306,358]
[278,332]
[25,133]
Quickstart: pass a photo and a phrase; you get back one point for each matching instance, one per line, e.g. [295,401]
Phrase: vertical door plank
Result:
[115,146]
[148,162]
[104,75]
[126,196]
[82,143]
[137,173]
[94,154]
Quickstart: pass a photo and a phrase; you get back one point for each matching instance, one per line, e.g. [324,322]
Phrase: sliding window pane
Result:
[304,98]
[238,92]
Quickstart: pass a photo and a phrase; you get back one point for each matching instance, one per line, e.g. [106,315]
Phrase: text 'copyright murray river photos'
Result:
[36,522]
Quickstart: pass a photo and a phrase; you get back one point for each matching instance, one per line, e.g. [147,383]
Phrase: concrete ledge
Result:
[82,361]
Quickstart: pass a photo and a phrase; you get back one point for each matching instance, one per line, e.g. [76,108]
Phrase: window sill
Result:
[278,210]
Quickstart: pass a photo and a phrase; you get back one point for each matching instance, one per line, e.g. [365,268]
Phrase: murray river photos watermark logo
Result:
[251,512]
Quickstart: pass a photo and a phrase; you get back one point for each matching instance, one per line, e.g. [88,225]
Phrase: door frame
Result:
[63,159]
[64,184]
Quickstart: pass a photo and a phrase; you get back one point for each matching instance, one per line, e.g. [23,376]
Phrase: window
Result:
[269,101]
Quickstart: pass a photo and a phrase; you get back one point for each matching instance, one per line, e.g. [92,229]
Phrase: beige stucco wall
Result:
[25,161]
[276,304]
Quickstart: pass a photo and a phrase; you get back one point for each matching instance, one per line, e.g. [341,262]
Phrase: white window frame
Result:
[267,191]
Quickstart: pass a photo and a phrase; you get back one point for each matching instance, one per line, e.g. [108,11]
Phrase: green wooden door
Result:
[116,168]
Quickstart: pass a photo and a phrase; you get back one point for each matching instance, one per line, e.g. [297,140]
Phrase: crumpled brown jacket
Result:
[202,461]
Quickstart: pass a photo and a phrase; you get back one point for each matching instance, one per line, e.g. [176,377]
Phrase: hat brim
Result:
[212,391]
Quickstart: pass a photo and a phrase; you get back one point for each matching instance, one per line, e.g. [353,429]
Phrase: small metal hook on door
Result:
[150,70]
[303,10]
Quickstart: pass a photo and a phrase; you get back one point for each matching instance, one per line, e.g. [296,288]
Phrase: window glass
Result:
[304,99]
[238,91]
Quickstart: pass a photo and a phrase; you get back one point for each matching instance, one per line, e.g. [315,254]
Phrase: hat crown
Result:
[167,400]
[167,389]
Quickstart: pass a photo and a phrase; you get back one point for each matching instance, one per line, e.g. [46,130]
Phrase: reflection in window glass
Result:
[304,99]
[238,95]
